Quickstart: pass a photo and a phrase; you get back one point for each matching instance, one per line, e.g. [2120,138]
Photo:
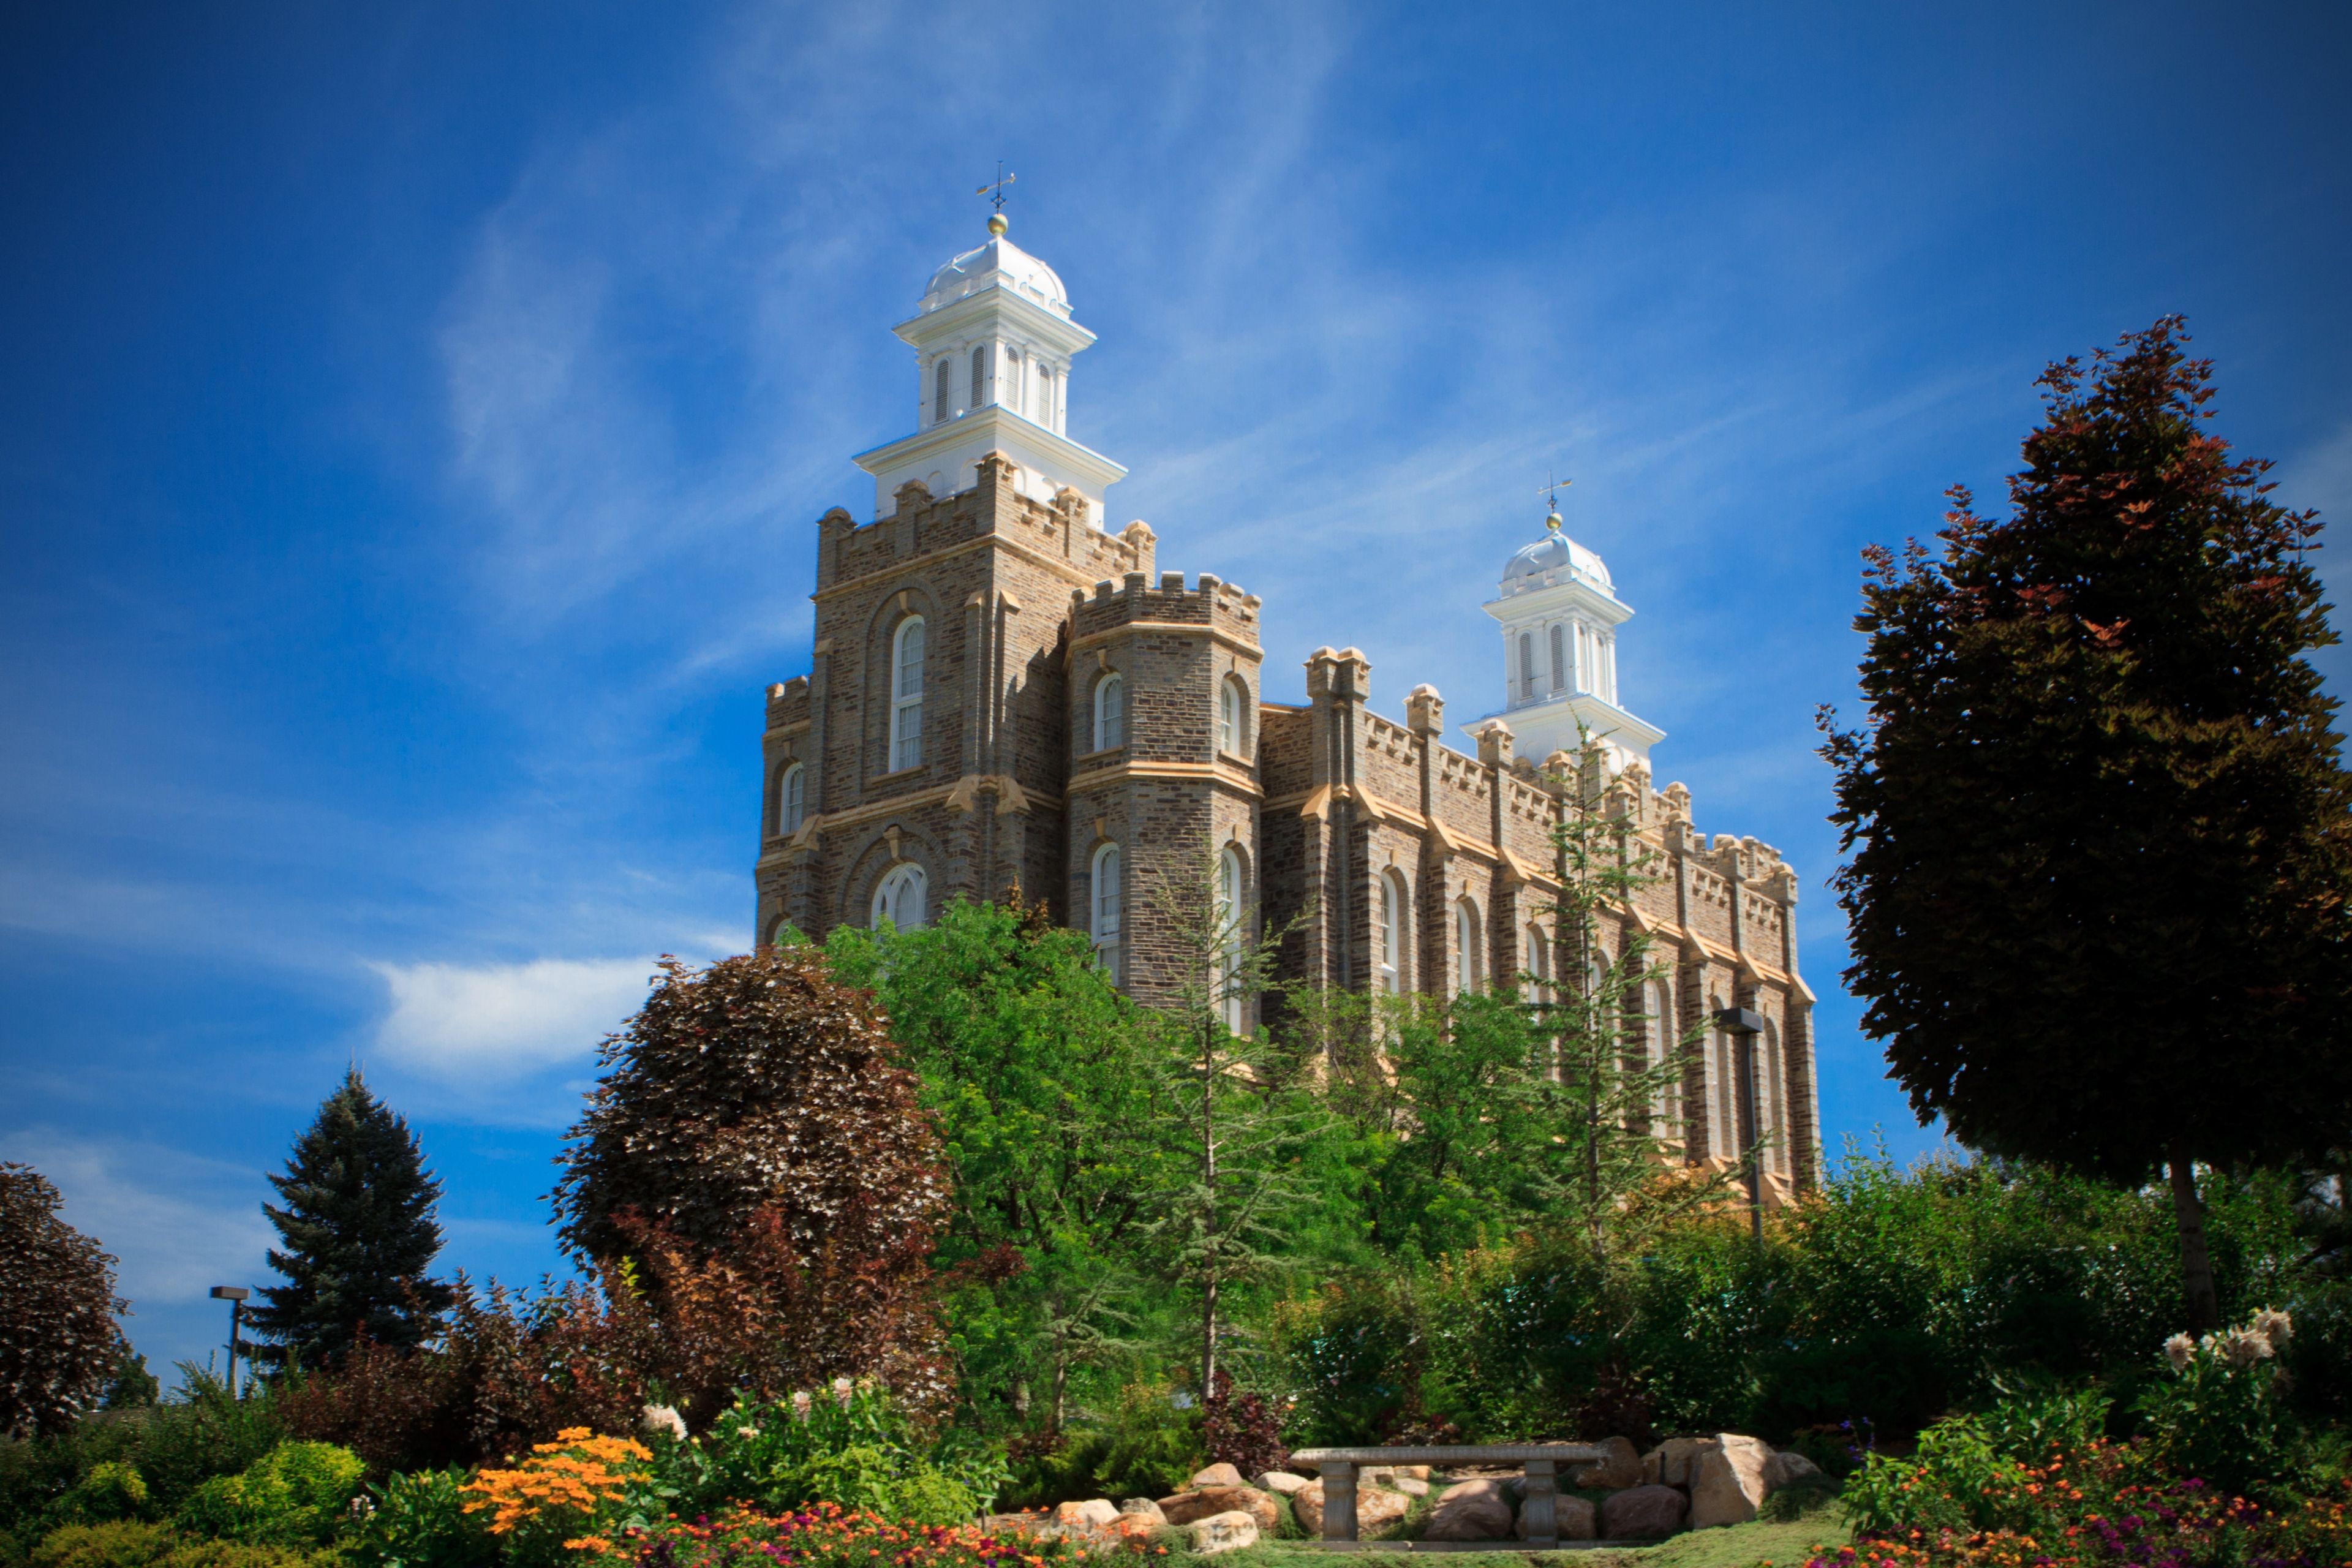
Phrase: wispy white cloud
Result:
[489,1025]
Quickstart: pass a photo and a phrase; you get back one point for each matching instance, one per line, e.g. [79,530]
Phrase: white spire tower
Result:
[992,340]
[1561,614]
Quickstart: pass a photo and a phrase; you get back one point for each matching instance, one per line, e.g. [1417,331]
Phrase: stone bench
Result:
[1540,1463]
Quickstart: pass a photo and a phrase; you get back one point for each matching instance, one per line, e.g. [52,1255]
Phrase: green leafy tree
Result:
[357,1233]
[2097,821]
[1036,1072]
[59,1342]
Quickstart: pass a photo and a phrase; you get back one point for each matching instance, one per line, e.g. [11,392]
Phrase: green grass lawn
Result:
[1735,1546]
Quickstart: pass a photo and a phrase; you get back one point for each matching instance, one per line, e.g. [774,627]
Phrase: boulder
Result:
[1143,1508]
[1572,1516]
[1223,1532]
[1384,1474]
[1642,1513]
[1727,1481]
[1282,1481]
[1470,1510]
[1216,1476]
[1620,1466]
[1411,1486]
[1376,1508]
[1784,1466]
[1091,1514]
[1669,1464]
[1201,1501]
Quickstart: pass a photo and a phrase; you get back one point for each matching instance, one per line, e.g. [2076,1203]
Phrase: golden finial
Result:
[995,192]
[1550,493]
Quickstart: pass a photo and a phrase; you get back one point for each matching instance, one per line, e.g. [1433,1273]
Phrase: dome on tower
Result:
[1002,263]
[1555,555]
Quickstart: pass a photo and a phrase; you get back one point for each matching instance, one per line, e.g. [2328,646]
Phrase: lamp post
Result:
[235,1295]
[1743,1025]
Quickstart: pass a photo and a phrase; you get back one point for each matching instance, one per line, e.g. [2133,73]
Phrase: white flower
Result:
[841,1387]
[2275,1326]
[661,1418]
[2177,1349]
[747,1431]
[800,1403]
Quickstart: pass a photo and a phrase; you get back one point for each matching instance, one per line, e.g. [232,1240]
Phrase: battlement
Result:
[922,524]
[1130,599]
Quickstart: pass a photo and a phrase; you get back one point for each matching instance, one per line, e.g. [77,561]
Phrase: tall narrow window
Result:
[1539,965]
[907,695]
[1110,712]
[1558,657]
[1653,1054]
[1391,933]
[1769,1120]
[980,389]
[1014,384]
[789,792]
[1609,669]
[1106,907]
[1232,922]
[1467,944]
[1527,667]
[940,391]
[1232,717]
[1046,397]
[903,896]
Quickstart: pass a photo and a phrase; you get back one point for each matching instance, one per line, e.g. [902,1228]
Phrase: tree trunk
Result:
[1209,1229]
[2196,1266]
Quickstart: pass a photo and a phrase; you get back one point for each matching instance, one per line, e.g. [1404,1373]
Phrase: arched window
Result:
[1110,712]
[1392,930]
[940,393]
[1466,942]
[1722,1138]
[1558,657]
[1232,922]
[1527,667]
[789,792]
[1232,717]
[1106,891]
[1046,395]
[1014,387]
[1539,965]
[1609,669]
[907,695]
[903,896]
[1768,1120]
[980,388]
[1654,1034]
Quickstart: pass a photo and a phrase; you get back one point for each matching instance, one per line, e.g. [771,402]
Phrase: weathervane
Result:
[1551,492]
[995,191]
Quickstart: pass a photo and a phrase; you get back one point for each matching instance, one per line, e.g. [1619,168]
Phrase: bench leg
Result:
[1338,1500]
[1542,1489]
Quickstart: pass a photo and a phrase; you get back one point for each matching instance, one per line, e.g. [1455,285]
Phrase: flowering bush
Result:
[850,1445]
[2221,1415]
[826,1536]
[563,1500]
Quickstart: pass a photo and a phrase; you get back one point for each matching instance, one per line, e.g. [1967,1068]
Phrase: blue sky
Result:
[413,421]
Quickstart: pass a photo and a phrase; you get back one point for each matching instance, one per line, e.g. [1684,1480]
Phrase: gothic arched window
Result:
[1105,923]
[907,695]
[1232,717]
[790,793]
[1467,944]
[903,896]
[1110,712]
[1558,657]
[1539,965]
[980,389]
[1393,925]
[1654,1031]
[940,393]
[1231,927]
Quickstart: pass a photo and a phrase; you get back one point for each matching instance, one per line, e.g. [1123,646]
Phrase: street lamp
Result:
[1743,1025]
[235,1295]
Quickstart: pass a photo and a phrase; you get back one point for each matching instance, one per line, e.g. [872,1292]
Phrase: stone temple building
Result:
[1005,693]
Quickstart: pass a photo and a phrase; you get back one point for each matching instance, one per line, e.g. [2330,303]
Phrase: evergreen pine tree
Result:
[359,1234]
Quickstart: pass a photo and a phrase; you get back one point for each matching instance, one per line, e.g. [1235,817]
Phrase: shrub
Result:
[59,1342]
[125,1544]
[852,1445]
[1148,1448]
[420,1521]
[109,1491]
[1241,1430]
[246,1554]
[297,1494]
